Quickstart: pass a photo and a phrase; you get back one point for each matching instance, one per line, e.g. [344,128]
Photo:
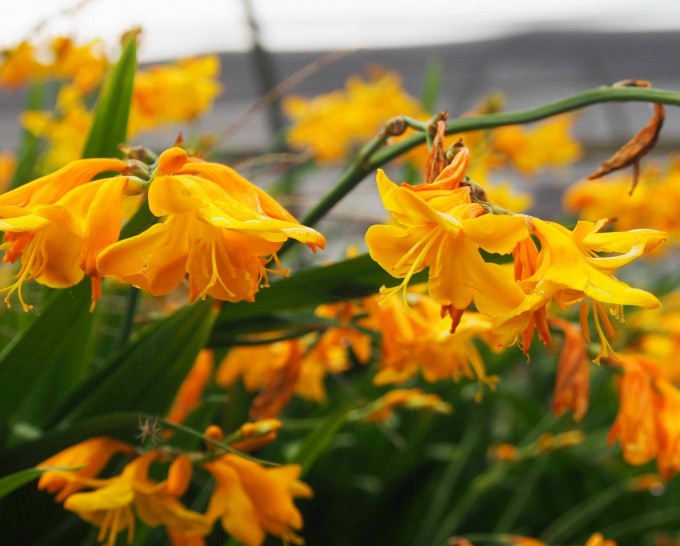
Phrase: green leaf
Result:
[147,374]
[121,425]
[31,352]
[317,441]
[111,113]
[354,278]
[16,480]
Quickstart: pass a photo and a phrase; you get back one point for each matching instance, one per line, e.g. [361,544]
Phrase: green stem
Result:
[131,301]
[371,157]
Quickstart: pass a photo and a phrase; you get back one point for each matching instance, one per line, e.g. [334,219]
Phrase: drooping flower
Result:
[59,223]
[174,93]
[440,227]
[383,408]
[419,339]
[93,454]
[20,65]
[548,144]
[572,387]
[570,270]
[217,227]
[654,203]
[331,124]
[251,501]
[83,64]
[113,502]
[635,424]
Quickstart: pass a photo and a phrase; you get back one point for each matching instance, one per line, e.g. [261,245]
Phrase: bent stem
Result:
[372,156]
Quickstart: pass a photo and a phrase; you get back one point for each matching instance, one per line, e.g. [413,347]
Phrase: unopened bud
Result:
[140,153]
[396,126]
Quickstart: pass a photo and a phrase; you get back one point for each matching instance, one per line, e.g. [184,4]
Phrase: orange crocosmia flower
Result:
[58,243]
[330,125]
[8,162]
[217,227]
[174,93]
[668,427]
[419,338]
[110,505]
[20,65]
[50,188]
[383,407]
[549,144]
[518,540]
[190,391]
[635,426]
[570,270]
[598,539]
[251,501]
[84,64]
[653,204]
[94,454]
[572,388]
[439,226]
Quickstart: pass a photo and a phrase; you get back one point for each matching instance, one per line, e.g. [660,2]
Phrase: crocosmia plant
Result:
[190,356]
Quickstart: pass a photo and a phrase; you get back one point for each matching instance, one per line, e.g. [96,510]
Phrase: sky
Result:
[183,28]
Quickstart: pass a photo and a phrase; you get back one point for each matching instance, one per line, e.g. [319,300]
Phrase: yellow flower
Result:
[85,65]
[94,454]
[110,505]
[569,270]
[20,65]
[655,203]
[419,338]
[8,163]
[383,408]
[58,224]
[174,93]
[549,144]
[635,424]
[441,227]
[218,228]
[252,501]
[331,124]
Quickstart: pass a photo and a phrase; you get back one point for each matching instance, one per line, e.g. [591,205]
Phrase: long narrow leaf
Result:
[146,376]
[111,114]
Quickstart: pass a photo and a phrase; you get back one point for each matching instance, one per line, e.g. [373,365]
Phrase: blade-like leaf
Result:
[147,374]
[16,480]
[317,441]
[31,352]
[121,425]
[354,278]
[109,126]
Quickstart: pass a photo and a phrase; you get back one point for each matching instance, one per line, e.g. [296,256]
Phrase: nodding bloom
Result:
[217,227]
[93,454]
[572,387]
[251,501]
[59,223]
[421,340]
[441,227]
[113,502]
[570,270]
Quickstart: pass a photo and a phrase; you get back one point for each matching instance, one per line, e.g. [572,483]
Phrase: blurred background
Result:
[532,51]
